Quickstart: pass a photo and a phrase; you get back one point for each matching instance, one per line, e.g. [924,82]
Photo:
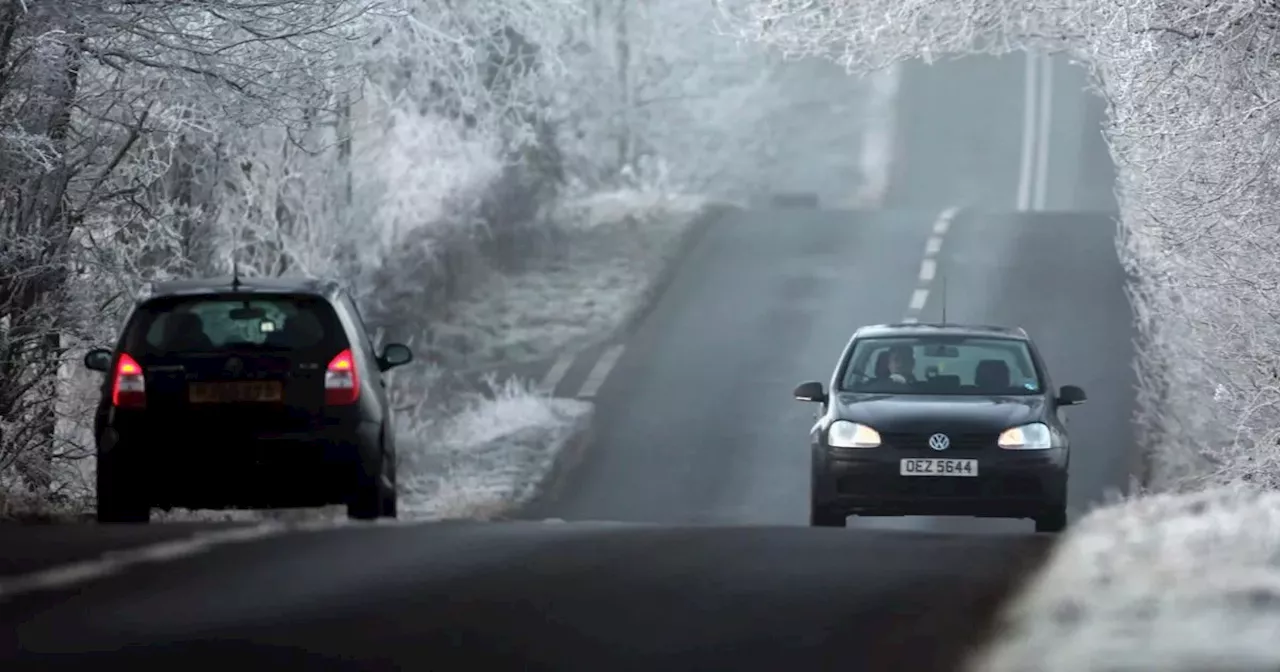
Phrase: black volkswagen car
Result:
[940,420]
[245,393]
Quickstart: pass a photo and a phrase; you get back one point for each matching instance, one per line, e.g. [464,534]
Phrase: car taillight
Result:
[341,382]
[129,388]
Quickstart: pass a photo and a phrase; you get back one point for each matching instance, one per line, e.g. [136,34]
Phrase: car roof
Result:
[940,329]
[227,283]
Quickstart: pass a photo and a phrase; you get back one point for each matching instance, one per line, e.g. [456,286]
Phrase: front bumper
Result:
[1009,484]
[230,470]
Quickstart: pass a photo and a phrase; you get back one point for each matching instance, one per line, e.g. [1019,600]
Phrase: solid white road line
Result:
[1041,191]
[115,562]
[600,372]
[111,563]
[1028,130]
[556,374]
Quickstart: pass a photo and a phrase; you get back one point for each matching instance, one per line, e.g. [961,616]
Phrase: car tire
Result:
[372,499]
[1053,520]
[824,517]
[387,504]
[118,502]
[365,503]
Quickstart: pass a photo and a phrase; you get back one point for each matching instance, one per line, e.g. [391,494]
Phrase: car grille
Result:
[920,441]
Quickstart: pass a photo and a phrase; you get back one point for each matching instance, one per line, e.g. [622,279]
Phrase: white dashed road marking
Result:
[927,270]
[556,374]
[918,299]
[600,372]
[929,265]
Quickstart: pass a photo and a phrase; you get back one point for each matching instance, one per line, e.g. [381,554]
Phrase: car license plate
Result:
[936,466]
[239,391]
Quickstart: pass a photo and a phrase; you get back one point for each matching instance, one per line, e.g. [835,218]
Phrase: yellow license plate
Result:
[239,391]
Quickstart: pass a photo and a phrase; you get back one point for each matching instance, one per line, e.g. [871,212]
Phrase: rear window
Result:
[227,322]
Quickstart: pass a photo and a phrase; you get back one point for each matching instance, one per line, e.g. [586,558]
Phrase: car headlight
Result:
[845,434]
[1035,436]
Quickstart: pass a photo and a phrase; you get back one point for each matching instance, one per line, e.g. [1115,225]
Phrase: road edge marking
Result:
[1040,193]
[114,562]
[600,372]
[1029,117]
[555,375]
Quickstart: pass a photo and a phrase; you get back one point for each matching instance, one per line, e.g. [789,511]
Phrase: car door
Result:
[1048,387]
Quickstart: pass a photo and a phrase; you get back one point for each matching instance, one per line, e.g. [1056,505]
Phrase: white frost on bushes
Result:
[490,458]
[1176,583]
[614,245]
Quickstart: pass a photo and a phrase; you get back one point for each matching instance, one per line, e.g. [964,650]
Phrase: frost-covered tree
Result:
[1192,125]
[655,87]
[140,140]
[97,100]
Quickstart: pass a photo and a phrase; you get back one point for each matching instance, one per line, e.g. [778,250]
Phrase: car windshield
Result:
[941,364]
[218,322]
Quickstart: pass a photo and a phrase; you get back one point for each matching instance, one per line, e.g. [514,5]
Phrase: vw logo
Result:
[939,442]
[234,366]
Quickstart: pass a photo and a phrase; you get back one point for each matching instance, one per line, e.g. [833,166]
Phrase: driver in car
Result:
[902,364]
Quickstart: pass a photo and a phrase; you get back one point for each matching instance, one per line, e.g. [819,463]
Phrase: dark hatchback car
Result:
[940,420]
[245,393]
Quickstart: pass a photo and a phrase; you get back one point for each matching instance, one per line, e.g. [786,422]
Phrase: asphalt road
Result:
[529,596]
[696,426]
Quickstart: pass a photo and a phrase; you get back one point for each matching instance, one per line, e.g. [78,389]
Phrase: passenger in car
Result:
[186,332]
[992,375]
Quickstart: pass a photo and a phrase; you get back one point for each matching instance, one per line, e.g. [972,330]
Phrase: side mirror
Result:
[98,359]
[1070,395]
[811,391]
[393,355]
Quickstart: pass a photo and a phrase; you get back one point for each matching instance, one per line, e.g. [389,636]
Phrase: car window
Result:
[216,322]
[942,364]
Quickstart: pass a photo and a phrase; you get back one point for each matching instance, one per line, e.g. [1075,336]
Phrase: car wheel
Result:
[117,501]
[1053,520]
[387,507]
[823,517]
[373,498]
[365,502]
